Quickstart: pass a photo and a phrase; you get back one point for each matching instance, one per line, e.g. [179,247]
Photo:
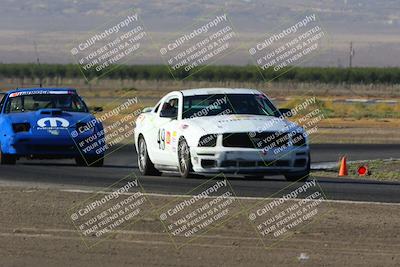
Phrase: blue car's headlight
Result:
[21,127]
[82,127]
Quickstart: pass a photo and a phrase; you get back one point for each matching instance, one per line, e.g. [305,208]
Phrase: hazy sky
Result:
[373,26]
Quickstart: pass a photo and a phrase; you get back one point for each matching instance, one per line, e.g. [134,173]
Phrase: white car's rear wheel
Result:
[146,167]
[185,164]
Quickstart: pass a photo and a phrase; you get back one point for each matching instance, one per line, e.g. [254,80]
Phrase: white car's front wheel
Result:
[146,167]
[301,176]
[185,164]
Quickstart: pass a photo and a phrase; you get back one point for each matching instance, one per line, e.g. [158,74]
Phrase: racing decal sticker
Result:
[161,139]
[168,138]
[174,141]
[54,132]
[41,92]
[184,126]
[52,122]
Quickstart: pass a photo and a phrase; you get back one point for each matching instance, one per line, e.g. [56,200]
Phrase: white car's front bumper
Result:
[249,160]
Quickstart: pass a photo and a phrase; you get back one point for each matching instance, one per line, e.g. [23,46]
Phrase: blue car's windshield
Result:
[65,102]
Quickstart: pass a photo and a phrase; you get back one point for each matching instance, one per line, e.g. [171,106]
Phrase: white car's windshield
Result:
[65,102]
[219,104]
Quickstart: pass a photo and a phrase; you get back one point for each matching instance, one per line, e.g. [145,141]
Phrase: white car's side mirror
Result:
[147,109]
[286,112]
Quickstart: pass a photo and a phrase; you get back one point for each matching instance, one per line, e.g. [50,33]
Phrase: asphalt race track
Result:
[64,174]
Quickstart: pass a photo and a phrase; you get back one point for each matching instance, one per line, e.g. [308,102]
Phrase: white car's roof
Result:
[213,91]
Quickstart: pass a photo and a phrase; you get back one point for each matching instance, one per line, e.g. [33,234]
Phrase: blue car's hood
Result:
[50,119]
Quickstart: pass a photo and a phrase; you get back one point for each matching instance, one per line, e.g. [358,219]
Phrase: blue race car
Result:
[48,123]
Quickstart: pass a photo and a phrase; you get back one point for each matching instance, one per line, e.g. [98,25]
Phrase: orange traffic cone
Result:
[343,167]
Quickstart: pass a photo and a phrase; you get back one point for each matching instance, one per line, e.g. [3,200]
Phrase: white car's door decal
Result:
[161,139]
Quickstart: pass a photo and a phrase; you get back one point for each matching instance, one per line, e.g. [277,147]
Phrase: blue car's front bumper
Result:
[28,145]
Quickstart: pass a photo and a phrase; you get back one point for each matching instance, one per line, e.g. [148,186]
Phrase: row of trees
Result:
[209,73]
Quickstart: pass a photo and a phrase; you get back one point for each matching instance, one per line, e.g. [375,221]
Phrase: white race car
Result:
[216,130]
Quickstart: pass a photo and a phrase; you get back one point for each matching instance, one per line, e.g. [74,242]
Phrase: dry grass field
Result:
[346,122]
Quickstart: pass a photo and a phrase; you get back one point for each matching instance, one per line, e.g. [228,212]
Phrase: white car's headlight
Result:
[209,140]
[299,139]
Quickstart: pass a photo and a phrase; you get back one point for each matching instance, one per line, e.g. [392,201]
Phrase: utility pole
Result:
[40,67]
[351,55]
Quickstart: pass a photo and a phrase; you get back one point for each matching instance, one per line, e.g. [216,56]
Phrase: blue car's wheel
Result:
[7,159]
[96,162]
[90,161]
[80,161]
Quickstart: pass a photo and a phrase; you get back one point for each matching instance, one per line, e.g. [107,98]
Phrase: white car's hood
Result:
[241,123]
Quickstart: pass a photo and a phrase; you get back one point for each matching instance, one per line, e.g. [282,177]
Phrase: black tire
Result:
[185,163]
[7,159]
[80,161]
[146,167]
[254,177]
[89,161]
[300,176]
[96,162]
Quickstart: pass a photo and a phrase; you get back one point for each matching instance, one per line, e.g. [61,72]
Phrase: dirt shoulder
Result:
[36,231]
[382,170]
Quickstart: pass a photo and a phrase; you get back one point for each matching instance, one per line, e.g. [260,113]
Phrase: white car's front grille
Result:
[256,140]
[247,163]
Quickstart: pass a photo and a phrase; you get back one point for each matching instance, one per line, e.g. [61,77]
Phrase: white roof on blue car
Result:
[214,91]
